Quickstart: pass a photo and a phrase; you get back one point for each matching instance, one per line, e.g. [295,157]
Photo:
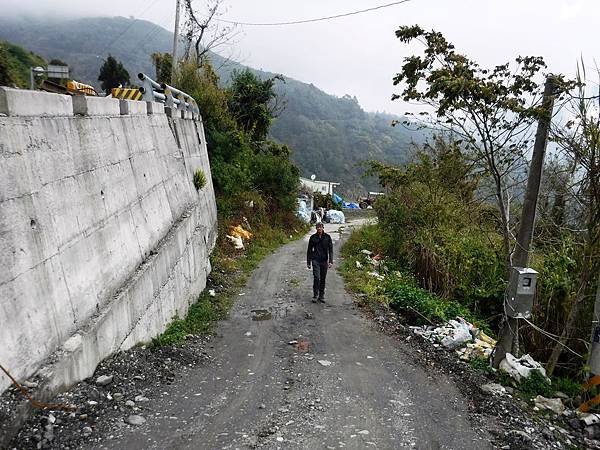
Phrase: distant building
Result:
[322,187]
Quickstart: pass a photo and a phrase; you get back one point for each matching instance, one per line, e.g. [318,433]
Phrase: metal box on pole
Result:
[521,292]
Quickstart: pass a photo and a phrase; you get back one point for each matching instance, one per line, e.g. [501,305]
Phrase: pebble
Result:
[135,420]
[130,403]
[104,380]
[324,362]
[87,430]
[365,432]
[141,399]
[30,384]
[117,396]
[83,417]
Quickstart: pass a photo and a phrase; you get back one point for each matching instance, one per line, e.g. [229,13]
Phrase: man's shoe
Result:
[321,299]
[314,300]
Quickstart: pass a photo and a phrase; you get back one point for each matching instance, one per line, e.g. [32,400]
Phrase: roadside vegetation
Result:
[448,222]
[254,179]
[15,62]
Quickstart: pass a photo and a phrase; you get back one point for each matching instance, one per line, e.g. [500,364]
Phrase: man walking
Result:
[319,255]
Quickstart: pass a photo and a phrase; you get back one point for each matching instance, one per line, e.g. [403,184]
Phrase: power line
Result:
[319,19]
[132,22]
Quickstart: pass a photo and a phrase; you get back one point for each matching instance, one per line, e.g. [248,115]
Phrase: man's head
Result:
[319,228]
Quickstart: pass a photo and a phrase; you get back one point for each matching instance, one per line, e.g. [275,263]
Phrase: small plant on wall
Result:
[199,179]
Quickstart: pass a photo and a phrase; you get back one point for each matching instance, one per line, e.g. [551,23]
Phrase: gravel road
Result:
[343,385]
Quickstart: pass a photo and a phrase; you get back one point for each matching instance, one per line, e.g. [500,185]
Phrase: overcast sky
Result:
[359,55]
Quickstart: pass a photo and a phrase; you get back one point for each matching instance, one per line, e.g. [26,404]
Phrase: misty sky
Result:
[359,55]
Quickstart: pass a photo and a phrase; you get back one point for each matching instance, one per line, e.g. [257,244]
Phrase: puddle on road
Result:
[261,314]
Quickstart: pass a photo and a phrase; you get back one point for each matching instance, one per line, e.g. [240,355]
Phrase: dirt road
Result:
[344,386]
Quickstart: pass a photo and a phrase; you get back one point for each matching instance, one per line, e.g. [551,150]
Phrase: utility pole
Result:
[509,330]
[175,41]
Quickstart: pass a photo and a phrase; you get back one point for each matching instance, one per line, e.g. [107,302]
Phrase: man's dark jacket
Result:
[320,248]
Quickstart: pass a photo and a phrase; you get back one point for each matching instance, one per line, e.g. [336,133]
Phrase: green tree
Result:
[5,77]
[492,110]
[252,103]
[163,65]
[112,74]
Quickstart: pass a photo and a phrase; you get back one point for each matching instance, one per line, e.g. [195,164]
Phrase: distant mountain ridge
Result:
[330,136]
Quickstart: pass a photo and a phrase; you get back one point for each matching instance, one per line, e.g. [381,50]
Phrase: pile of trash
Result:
[334,216]
[519,368]
[237,234]
[469,341]
[303,211]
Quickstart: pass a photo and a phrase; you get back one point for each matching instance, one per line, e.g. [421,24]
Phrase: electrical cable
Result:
[551,336]
[318,19]
[129,26]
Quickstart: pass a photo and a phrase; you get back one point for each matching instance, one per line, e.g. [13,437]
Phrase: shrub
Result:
[406,295]
[199,179]
[536,384]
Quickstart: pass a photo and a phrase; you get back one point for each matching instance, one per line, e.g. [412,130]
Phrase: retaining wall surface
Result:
[103,237]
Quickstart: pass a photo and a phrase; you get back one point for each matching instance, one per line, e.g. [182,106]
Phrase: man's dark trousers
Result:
[319,275]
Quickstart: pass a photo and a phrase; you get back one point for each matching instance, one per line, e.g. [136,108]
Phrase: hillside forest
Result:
[327,136]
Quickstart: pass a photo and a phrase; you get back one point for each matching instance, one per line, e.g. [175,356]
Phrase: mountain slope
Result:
[329,136]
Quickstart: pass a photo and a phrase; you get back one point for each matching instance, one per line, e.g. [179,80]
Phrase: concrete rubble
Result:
[459,334]
[519,368]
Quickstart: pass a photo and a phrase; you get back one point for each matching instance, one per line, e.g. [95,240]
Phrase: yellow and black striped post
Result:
[126,93]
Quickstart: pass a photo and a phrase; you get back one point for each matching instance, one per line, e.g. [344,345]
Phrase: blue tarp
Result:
[341,202]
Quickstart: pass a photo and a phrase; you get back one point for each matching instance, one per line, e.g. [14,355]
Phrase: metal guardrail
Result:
[170,96]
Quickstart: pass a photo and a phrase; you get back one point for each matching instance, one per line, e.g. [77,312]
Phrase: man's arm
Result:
[308,252]
[330,250]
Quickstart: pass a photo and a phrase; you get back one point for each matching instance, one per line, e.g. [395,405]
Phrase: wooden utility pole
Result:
[510,326]
[175,42]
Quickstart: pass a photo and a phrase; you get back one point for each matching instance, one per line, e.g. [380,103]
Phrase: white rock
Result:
[494,389]
[553,404]
[365,432]
[134,419]
[103,380]
[324,362]
[141,399]
[212,292]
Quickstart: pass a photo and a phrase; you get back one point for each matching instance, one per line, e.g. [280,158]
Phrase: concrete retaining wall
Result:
[103,237]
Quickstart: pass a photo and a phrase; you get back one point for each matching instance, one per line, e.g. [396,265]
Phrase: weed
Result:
[480,364]
[536,384]
[567,386]
[199,179]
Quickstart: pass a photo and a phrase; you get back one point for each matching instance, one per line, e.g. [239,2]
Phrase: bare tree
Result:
[203,30]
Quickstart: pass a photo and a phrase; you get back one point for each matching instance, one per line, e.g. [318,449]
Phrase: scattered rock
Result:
[117,396]
[261,406]
[134,419]
[575,424]
[364,432]
[561,395]
[494,389]
[212,292]
[592,431]
[83,417]
[30,384]
[521,434]
[130,403]
[141,399]
[553,404]
[324,362]
[104,380]
[87,431]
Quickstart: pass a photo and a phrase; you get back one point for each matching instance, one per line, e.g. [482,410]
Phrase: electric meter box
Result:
[521,292]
